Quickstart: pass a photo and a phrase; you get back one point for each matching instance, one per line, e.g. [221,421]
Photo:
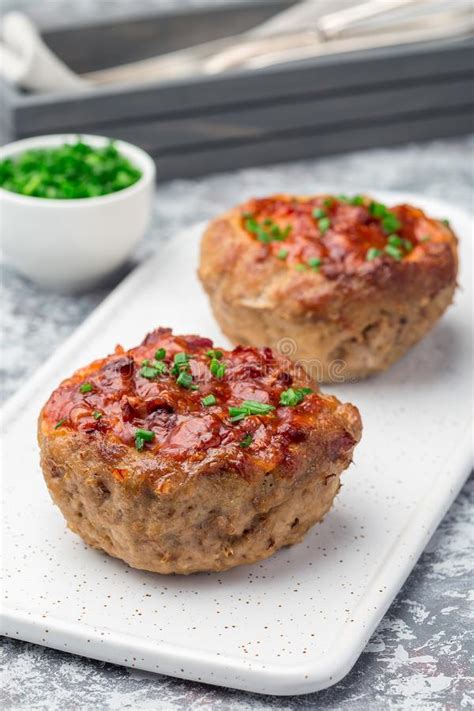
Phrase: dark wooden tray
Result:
[316,107]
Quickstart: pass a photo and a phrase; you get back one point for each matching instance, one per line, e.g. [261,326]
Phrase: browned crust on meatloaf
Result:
[349,318]
[200,507]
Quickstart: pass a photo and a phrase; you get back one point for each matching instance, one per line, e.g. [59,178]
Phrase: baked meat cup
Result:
[345,286]
[178,457]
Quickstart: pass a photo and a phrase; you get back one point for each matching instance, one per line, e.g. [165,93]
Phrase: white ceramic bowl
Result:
[69,245]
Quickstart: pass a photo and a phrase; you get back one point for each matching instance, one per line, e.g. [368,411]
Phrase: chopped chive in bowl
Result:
[68,172]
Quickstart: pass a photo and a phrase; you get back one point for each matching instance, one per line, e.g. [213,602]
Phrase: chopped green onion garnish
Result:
[246,441]
[209,400]
[292,397]
[378,209]
[446,222]
[148,371]
[214,354]
[142,436]
[372,254]
[357,200]
[181,359]
[318,212]
[58,424]
[160,354]
[217,368]
[86,388]
[185,380]
[300,267]
[393,251]
[390,223]
[395,240]
[249,407]
[147,435]
[328,202]
[315,263]
[324,224]
[282,254]
[425,238]
[267,231]
[181,362]
[96,415]
[407,245]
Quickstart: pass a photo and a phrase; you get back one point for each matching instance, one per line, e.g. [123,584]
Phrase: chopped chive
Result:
[251,224]
[324,224]
[342,197]
[268,231]
[181,359]
[407,245]
[148,372]
[282,254]
[142,436]
[237,413]
[214,354]
[292,397]
[393,251]
[315,263]
[249,407]
[300,267]
[86,388]
[217,368]
[357,200]
[147,435]
[390,223]
[372,254]
[328,202]
[160,354]
[246,441]
[377,209]
[209,400]
[258,408]
[180,363]
[395,240]
[446,222]
[96,415]
[185,380]
[58,424]
[318,212]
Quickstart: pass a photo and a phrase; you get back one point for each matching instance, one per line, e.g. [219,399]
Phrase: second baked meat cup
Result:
[345,286]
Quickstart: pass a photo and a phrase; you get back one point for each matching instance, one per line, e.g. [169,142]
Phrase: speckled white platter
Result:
[297,622]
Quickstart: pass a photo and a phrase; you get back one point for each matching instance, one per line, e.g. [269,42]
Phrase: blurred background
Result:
[285,80]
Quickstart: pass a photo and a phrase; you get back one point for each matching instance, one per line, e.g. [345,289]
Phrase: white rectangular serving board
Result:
[297,622]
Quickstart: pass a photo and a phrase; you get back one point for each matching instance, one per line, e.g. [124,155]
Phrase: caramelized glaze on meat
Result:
[124,401]
[338,233]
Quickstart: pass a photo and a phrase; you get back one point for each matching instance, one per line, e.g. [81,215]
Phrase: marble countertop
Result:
[419,656]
